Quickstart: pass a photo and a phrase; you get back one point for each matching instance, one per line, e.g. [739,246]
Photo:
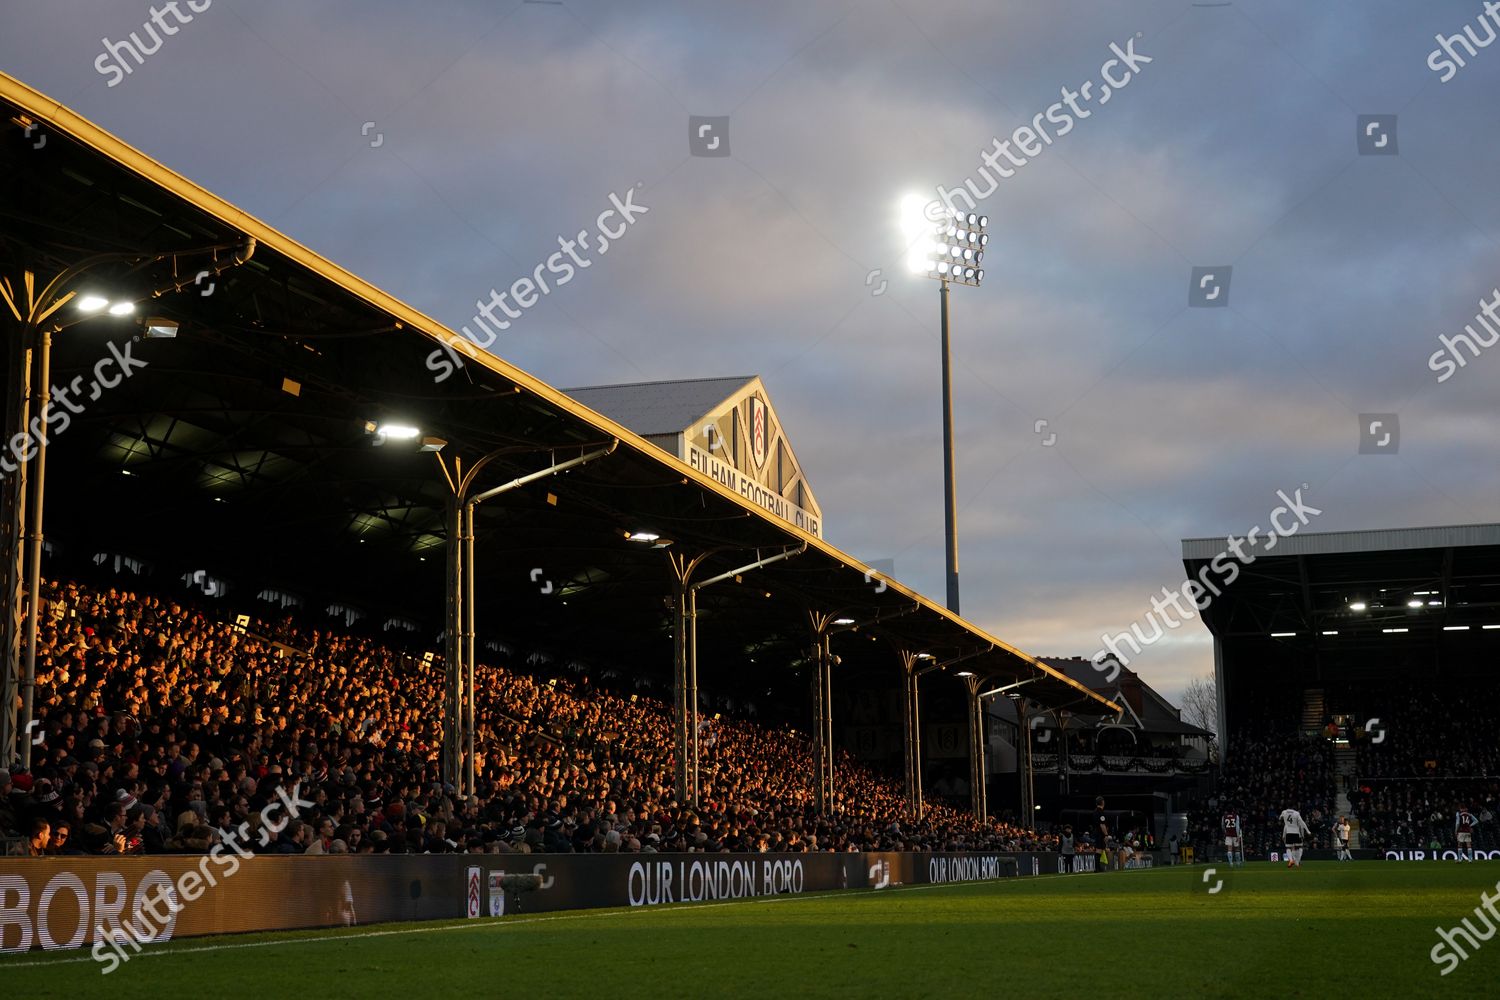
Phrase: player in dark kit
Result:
[1233,844]
[1463,829]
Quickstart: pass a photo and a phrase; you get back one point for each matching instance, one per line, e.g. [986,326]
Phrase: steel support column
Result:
[12,531]
[460,696]
[911,732]
[453,651]
[978,790]
[1028,792]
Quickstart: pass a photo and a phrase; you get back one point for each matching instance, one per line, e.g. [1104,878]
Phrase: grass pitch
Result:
[1362,929]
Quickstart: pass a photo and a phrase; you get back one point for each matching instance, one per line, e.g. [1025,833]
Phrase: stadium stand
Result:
[165,730]
[1434,751]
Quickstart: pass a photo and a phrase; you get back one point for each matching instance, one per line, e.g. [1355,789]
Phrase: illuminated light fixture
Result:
[433,444]
[1391,630]
[91,303]
[121,308]
[1332,631]
[843,621]
[391,432]
[1357,606]
[929,231]
[1435,604]
[643,536]
[160,328]
[1413,603]
[924,656]
[1488,627]
[964,673]
[1455,628]
[1282,635]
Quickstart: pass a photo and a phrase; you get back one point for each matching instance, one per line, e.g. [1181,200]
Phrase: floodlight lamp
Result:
[160,328]
[642,536]
[843,621]
[984,220]
[1357,606]
[1413,603]
[964,673]
[121,308]
[92,303]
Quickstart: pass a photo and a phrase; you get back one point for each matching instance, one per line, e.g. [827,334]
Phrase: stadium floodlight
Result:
[121,308]
[91,303]
[1357,606]
[1332,631]
[643,536]
[1488,627]
[843,621]
[1392,630]
[1455,628]
[1413,603]
[947,245]
[964,673]
[1282,635]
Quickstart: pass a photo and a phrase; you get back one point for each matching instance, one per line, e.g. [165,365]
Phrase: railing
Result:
[1088,763]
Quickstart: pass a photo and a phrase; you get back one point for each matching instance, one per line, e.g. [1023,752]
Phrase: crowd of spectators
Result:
[1432,752]
[1264,774]
[163,730]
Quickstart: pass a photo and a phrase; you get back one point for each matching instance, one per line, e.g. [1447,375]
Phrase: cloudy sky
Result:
[499,126]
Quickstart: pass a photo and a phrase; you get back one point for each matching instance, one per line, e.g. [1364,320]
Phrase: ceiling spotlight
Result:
[394,432]
[160,328]
[1413,603]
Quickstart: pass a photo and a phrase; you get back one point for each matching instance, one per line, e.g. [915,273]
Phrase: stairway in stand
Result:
[1312,711]
[1346,773]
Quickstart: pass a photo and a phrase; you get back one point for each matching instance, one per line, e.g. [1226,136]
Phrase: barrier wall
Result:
[74,902]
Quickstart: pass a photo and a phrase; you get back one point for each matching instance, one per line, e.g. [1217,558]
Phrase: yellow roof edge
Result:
[64,119]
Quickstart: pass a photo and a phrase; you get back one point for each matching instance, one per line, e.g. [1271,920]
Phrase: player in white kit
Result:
[1293,830]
